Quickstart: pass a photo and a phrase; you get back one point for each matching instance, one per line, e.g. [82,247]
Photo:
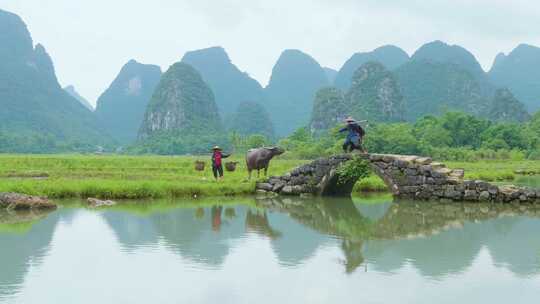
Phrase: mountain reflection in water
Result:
[437,240]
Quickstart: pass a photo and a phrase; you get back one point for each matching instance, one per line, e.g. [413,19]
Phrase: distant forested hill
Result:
[231,86]
[36,114]
[182,116]
[296,77]
[251,118]
[520,71]
[389,56]
[121,107]
[441,77]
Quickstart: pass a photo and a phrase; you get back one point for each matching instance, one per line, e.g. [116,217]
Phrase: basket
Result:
[231,166]
[199,165]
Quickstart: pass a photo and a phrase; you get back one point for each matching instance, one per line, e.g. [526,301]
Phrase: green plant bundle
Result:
[353,170]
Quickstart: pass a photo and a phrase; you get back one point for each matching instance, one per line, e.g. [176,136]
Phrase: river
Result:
[245,250]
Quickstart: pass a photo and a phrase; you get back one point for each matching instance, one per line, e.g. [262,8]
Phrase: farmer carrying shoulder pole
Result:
[354,137]
[217,164]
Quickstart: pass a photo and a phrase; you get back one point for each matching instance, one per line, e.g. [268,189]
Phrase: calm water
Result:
[273,251]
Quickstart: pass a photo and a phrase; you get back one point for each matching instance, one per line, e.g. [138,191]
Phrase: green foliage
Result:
[392,138]
[353,170]
[452,136]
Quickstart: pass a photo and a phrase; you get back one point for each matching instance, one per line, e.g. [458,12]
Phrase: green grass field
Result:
[130,177]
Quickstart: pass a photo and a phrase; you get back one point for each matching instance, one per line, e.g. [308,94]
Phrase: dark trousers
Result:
[352,144]
[218,171]
[349,146]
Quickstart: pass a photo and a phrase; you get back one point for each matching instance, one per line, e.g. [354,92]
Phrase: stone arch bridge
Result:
[407,177]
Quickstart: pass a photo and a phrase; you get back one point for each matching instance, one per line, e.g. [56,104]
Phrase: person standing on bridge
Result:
[355,136]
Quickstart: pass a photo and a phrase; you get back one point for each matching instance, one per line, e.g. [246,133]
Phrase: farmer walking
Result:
[354,137]
[217,162]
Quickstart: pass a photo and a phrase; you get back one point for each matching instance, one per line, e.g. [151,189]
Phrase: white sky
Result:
[90,40]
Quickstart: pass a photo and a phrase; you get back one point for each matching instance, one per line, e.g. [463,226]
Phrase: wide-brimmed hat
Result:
[350,119]
[216,148]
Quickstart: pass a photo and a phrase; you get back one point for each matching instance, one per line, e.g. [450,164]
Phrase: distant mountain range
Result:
[385,84]
[36,113]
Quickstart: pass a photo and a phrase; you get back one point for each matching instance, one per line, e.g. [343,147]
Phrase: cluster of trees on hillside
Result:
[452,136]
[32,142]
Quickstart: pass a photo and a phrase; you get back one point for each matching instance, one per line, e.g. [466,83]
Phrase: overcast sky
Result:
[89,41]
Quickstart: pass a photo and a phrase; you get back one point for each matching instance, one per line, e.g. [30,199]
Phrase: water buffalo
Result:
[257,159]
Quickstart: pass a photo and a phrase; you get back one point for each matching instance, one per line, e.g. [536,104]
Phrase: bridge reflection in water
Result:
[436,239]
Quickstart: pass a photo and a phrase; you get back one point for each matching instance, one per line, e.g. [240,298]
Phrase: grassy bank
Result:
[122,177]
[130,177]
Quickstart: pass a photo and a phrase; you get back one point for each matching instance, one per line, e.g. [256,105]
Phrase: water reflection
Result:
[437,240]
[25,238]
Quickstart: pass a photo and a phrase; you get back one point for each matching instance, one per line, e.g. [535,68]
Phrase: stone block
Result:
[388,158]
[278,186]
[416,180]
[376,157]
[423,160]
[484,196]
[410,189]
[436,166]
[469,185]
[451,193]
[531,194]
[481,185]
[426,170]
[493,190]
[411,172]
[459,173]
[470,195]
[264,186]
[441,172]
[438,193]
[401,163]
[453,180]
[381,165]
[287,190]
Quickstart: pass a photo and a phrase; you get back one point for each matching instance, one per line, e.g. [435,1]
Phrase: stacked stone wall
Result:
[407,177]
